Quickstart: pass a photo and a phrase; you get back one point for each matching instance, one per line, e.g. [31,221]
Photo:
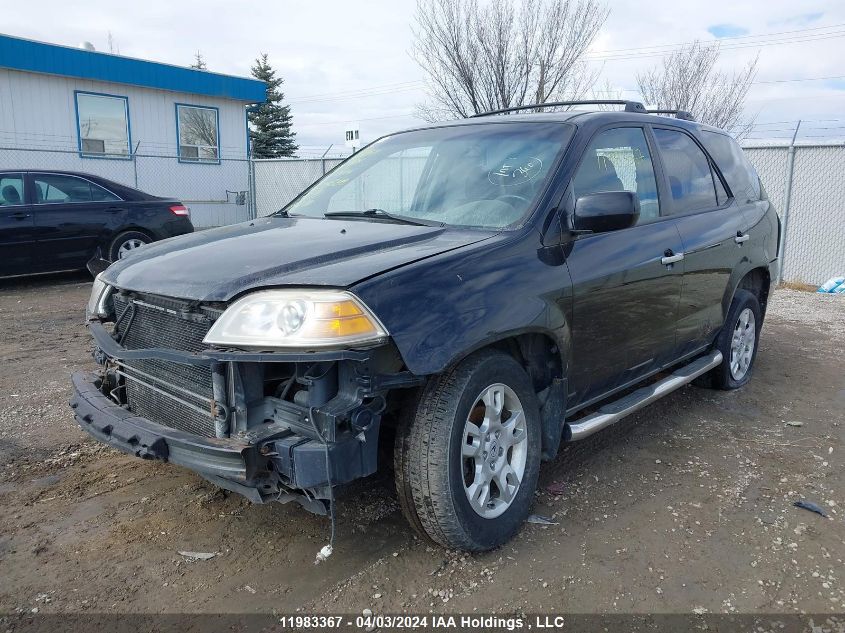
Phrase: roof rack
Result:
[679,114]
[630,106]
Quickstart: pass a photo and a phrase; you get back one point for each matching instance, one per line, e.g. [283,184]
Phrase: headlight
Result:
[98,301]
[298,319]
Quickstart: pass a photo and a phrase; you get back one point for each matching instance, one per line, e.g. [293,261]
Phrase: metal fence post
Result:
[323,158]
[790,164]
[253,202]
[135,163]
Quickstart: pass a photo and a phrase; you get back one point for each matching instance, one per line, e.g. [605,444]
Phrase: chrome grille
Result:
[173,394]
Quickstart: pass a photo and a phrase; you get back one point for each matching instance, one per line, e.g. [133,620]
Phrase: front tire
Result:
[467,458]
[738,342]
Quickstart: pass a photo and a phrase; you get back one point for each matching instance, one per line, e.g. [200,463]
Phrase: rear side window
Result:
[98,194]
[619,160]
[58,188]
[11,190]
[735,167]
[690,178]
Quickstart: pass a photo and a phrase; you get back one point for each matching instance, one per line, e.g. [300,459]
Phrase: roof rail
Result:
[630,106]
[679,114]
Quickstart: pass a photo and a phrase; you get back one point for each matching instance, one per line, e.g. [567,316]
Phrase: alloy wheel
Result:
[128,246]
[742,344]
[494,450]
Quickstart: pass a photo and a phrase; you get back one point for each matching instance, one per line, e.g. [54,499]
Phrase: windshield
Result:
[485,175]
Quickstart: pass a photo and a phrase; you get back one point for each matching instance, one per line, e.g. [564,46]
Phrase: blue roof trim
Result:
[39,57]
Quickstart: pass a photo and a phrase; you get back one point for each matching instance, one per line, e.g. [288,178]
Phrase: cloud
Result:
[356,55]
[798,20]
[726,30]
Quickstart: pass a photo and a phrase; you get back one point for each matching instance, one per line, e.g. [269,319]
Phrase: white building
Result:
[167,130]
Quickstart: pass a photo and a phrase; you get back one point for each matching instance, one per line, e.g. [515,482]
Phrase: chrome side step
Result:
[618,409]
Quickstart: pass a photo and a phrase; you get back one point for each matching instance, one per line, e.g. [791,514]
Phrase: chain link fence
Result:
[277,181]
[806,183]
[217,193]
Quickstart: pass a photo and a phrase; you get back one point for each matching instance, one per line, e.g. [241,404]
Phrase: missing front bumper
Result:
[259,468]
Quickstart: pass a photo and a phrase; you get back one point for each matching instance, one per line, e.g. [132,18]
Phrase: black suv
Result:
[468,295]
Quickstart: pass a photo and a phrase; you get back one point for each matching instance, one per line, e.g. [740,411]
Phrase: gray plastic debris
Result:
[540,520]
[199,555]
[794,423]
[812,507]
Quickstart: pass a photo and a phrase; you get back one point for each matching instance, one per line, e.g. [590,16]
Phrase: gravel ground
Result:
[684,507]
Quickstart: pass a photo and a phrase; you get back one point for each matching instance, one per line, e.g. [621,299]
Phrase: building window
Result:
[103,123]
[198,134]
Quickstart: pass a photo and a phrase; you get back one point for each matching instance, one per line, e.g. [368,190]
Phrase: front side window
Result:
[60,189]
[690,179]
[480,175]
[198,134]
[103,123]
[619,160]
[11,190]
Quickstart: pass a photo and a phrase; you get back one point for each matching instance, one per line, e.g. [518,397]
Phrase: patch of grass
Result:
[798,285]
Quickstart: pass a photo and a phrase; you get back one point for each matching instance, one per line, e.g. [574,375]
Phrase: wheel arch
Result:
[108,242]
[757,281]
[545,361]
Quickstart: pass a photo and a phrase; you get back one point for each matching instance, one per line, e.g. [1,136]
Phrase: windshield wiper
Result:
[381,213]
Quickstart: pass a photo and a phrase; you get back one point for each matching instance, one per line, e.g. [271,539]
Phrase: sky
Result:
[352,61]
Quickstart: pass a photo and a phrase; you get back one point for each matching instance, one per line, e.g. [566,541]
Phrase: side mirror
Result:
[606,211]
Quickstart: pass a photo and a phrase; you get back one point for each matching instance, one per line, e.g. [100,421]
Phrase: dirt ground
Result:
[686,507]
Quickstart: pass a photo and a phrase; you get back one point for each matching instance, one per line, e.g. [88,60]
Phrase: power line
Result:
[784,81]
[615,54]
[374,118]
[323,94]
[362,92]
[644,55]
[721,39]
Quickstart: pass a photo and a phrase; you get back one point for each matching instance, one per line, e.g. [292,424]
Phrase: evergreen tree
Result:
[270,124]
[199,62]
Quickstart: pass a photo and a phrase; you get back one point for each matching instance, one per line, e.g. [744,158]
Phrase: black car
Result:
[468,295]
[53,221]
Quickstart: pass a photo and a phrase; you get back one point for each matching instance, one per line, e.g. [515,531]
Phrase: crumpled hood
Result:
[217,264]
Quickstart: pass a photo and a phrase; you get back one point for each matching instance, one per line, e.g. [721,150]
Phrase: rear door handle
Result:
[741,237]
[114,209]
[670,257]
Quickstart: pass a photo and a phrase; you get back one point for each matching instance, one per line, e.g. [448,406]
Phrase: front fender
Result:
[439,310]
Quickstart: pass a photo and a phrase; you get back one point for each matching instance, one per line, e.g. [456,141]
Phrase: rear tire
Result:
[738,342]
[124,243]
[467,455]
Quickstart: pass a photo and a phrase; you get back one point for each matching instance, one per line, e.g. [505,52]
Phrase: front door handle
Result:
[20,215]
[670,257]
[741,237]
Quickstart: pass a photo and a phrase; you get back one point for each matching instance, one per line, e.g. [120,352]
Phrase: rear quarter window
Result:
[735,167]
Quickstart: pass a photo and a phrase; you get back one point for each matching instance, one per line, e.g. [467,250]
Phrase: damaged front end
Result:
[281,425]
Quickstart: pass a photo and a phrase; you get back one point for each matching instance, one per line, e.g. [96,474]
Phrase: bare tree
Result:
[689,80]
[503,54]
